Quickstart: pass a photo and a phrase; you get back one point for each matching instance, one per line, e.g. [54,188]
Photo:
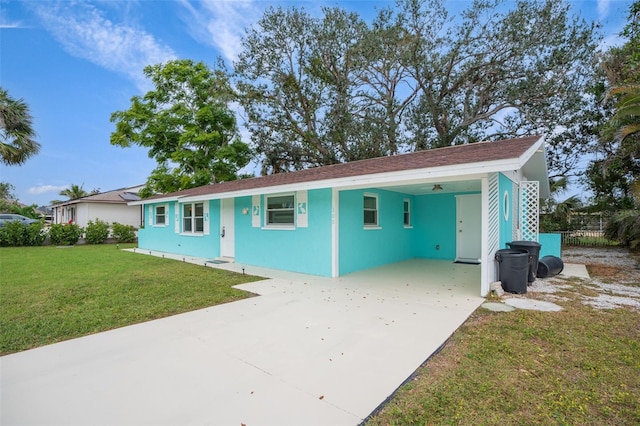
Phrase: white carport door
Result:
[468,228]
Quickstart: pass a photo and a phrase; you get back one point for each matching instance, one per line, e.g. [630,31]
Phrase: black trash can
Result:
[533,248]
[513,267]
[549,266]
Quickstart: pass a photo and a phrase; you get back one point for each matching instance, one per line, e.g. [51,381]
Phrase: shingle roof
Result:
[117,196]
[449,156]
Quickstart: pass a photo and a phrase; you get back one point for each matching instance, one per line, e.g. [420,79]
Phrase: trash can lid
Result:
[525,243]
[510,253]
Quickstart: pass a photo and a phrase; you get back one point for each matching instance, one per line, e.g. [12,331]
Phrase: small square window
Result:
[370,210]
[280,210]
[160,216]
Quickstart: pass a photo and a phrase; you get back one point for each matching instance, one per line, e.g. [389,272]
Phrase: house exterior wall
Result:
[85,212]
[299,249]
[551,245]
[435,226]
[165,238]
[507,213]
[121,213]
[364,248]
[308,246]
[82,215]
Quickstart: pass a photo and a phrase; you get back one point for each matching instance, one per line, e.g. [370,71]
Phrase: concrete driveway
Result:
[308,351]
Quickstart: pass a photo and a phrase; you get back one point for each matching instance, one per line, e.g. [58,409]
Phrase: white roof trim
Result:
[154,201]
[367,181]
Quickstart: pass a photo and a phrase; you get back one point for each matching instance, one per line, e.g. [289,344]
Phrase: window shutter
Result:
[205,217]
[151,209]
[176,212]
[302,209]
[255,211]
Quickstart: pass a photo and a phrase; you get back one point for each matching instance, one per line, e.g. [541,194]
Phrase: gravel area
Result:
[610,256]
[615,279]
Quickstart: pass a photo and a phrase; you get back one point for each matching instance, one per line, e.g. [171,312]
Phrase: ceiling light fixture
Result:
[437,187]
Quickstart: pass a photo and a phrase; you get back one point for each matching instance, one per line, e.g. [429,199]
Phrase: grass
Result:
[50,294]
[577,366]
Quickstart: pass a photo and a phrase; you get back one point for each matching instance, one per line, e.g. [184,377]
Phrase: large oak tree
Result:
[335,88]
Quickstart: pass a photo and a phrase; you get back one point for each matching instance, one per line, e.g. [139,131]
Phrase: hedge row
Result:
[14,234]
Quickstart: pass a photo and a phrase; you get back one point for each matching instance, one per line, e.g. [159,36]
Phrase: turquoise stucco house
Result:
[460,203]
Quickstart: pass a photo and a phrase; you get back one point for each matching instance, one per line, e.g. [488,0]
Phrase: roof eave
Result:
[363,181]
[533,159]
[534,166]
[152,201]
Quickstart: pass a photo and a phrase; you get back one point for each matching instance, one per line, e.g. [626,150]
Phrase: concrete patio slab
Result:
[308,351]
[575,270]
[533,305]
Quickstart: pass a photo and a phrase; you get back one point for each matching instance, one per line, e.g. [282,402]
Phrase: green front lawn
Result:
[50,294]
[580,366]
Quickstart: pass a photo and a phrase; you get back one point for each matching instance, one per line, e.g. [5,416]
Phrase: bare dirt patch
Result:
[610,273]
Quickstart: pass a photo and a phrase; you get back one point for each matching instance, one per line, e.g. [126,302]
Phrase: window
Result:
[193,217]
[407,213]
[160,216]
[280,210]
[370,210]
[505,203]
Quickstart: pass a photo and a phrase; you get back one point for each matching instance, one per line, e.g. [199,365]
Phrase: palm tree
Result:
[626,120]
[74,192]
[625,224]
[17,141]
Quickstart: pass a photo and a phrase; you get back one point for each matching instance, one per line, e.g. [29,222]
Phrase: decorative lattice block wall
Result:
[529,209]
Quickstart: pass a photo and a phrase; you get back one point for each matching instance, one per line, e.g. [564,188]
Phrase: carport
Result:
[308,350]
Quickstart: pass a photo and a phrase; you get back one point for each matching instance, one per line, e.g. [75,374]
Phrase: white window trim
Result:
[271,226]
[166,215]
[377,224]
[192,233]
[410,224]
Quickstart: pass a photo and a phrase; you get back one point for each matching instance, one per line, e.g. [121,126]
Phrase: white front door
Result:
[468,228]
[227,237]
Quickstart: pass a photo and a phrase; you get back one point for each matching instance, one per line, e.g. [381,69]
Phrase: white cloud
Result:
[10,25]
[603,8]
[43,189]
[610,41]
[85,32]
[222,24]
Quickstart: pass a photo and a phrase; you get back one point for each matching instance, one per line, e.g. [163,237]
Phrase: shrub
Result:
[64,235]
[97,232]
[625,227]
[15,234]
[36,234]
[123,233]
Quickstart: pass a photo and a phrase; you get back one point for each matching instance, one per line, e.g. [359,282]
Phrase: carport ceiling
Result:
[447,187]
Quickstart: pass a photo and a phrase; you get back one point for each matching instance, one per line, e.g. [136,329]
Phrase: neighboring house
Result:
[458,203]
[110,206]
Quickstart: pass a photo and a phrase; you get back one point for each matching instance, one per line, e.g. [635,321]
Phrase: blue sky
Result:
[75,63]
